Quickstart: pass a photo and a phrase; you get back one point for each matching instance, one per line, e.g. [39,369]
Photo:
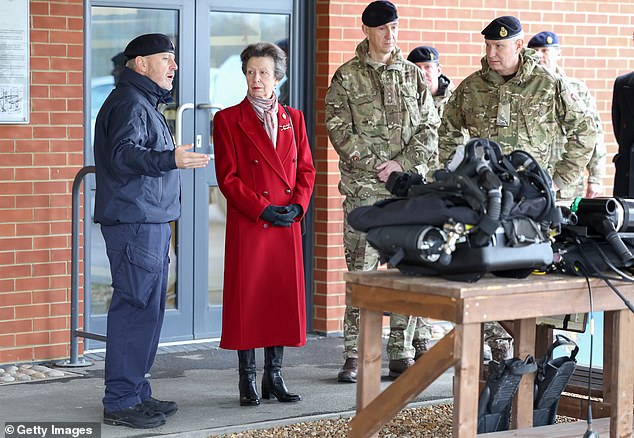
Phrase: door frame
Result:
[192,293]
[177,320]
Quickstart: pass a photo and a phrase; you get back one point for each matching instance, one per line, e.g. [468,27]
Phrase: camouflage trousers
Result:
[360,256]
[499,340]
[399,344]
[423,328]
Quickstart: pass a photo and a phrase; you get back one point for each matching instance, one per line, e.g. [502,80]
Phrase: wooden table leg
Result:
[524,346]
[622,374]
[373,416]
[369,374]
[543,340]
[467,350]
[608,335]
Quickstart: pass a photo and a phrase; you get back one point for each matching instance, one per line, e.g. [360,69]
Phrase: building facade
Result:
[73,52]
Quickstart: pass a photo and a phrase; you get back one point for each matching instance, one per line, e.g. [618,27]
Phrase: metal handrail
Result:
[74,360]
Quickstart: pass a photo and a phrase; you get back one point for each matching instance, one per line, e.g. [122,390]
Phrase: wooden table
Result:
[468,305]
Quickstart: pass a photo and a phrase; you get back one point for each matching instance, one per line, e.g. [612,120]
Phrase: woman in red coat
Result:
[265,170]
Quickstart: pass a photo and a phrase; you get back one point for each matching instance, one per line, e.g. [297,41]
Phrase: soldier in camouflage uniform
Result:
[546,44]
[441,87]
[520,105]
[427,59]
[380,118]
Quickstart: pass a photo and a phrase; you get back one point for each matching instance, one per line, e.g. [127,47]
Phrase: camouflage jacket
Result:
[597,163]
[445,90]
[378,112]
[528,112]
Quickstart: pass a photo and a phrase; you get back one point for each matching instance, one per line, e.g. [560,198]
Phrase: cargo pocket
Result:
[364,114]
[411,97]
[538,132]
[137,275]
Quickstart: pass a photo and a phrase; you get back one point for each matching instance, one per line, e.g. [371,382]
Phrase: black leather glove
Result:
[294,209]
[398,183]
[281,216]
[272,212]
[282,223]
[286,218]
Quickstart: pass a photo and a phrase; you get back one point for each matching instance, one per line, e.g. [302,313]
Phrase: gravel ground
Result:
[429,422]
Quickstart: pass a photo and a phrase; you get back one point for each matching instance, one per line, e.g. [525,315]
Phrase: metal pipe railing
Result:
[74,360]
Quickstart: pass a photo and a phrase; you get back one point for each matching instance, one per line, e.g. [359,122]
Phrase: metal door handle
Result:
[210,106]
[179,122]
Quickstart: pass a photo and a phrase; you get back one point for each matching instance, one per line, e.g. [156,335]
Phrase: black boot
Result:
[248,388]
[272,381]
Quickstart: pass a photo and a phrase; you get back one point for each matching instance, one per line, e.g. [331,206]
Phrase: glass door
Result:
[225,31]
[111,27]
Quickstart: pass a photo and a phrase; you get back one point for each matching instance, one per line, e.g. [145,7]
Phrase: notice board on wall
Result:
[14,61]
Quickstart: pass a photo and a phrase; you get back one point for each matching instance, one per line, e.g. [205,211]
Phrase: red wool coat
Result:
[264,301]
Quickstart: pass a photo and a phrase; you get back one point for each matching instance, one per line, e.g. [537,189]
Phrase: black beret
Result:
[502,28]
[283,44]
[148,44]
[378,13]
[119,59]
[544,39]
[423,54]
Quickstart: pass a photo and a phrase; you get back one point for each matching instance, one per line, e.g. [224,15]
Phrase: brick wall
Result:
[597,46]
[38,162]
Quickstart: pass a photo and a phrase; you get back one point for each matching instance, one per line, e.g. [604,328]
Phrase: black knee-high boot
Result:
[272,381]
[248,388]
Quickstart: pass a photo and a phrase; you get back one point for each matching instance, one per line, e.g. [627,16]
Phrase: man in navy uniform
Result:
[138,194]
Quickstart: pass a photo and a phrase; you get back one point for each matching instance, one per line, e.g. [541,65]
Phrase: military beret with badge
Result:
[379,13]
[544,39]
[502,28]
[423,54]
[148,44]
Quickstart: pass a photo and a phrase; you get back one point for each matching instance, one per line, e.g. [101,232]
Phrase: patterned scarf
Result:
[266,110]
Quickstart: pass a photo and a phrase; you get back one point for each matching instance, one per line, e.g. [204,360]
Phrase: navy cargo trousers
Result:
[139,263]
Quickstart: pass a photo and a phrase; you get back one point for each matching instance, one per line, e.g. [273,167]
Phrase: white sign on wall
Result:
[14,61]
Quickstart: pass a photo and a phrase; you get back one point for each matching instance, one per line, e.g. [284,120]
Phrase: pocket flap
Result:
[142,258]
